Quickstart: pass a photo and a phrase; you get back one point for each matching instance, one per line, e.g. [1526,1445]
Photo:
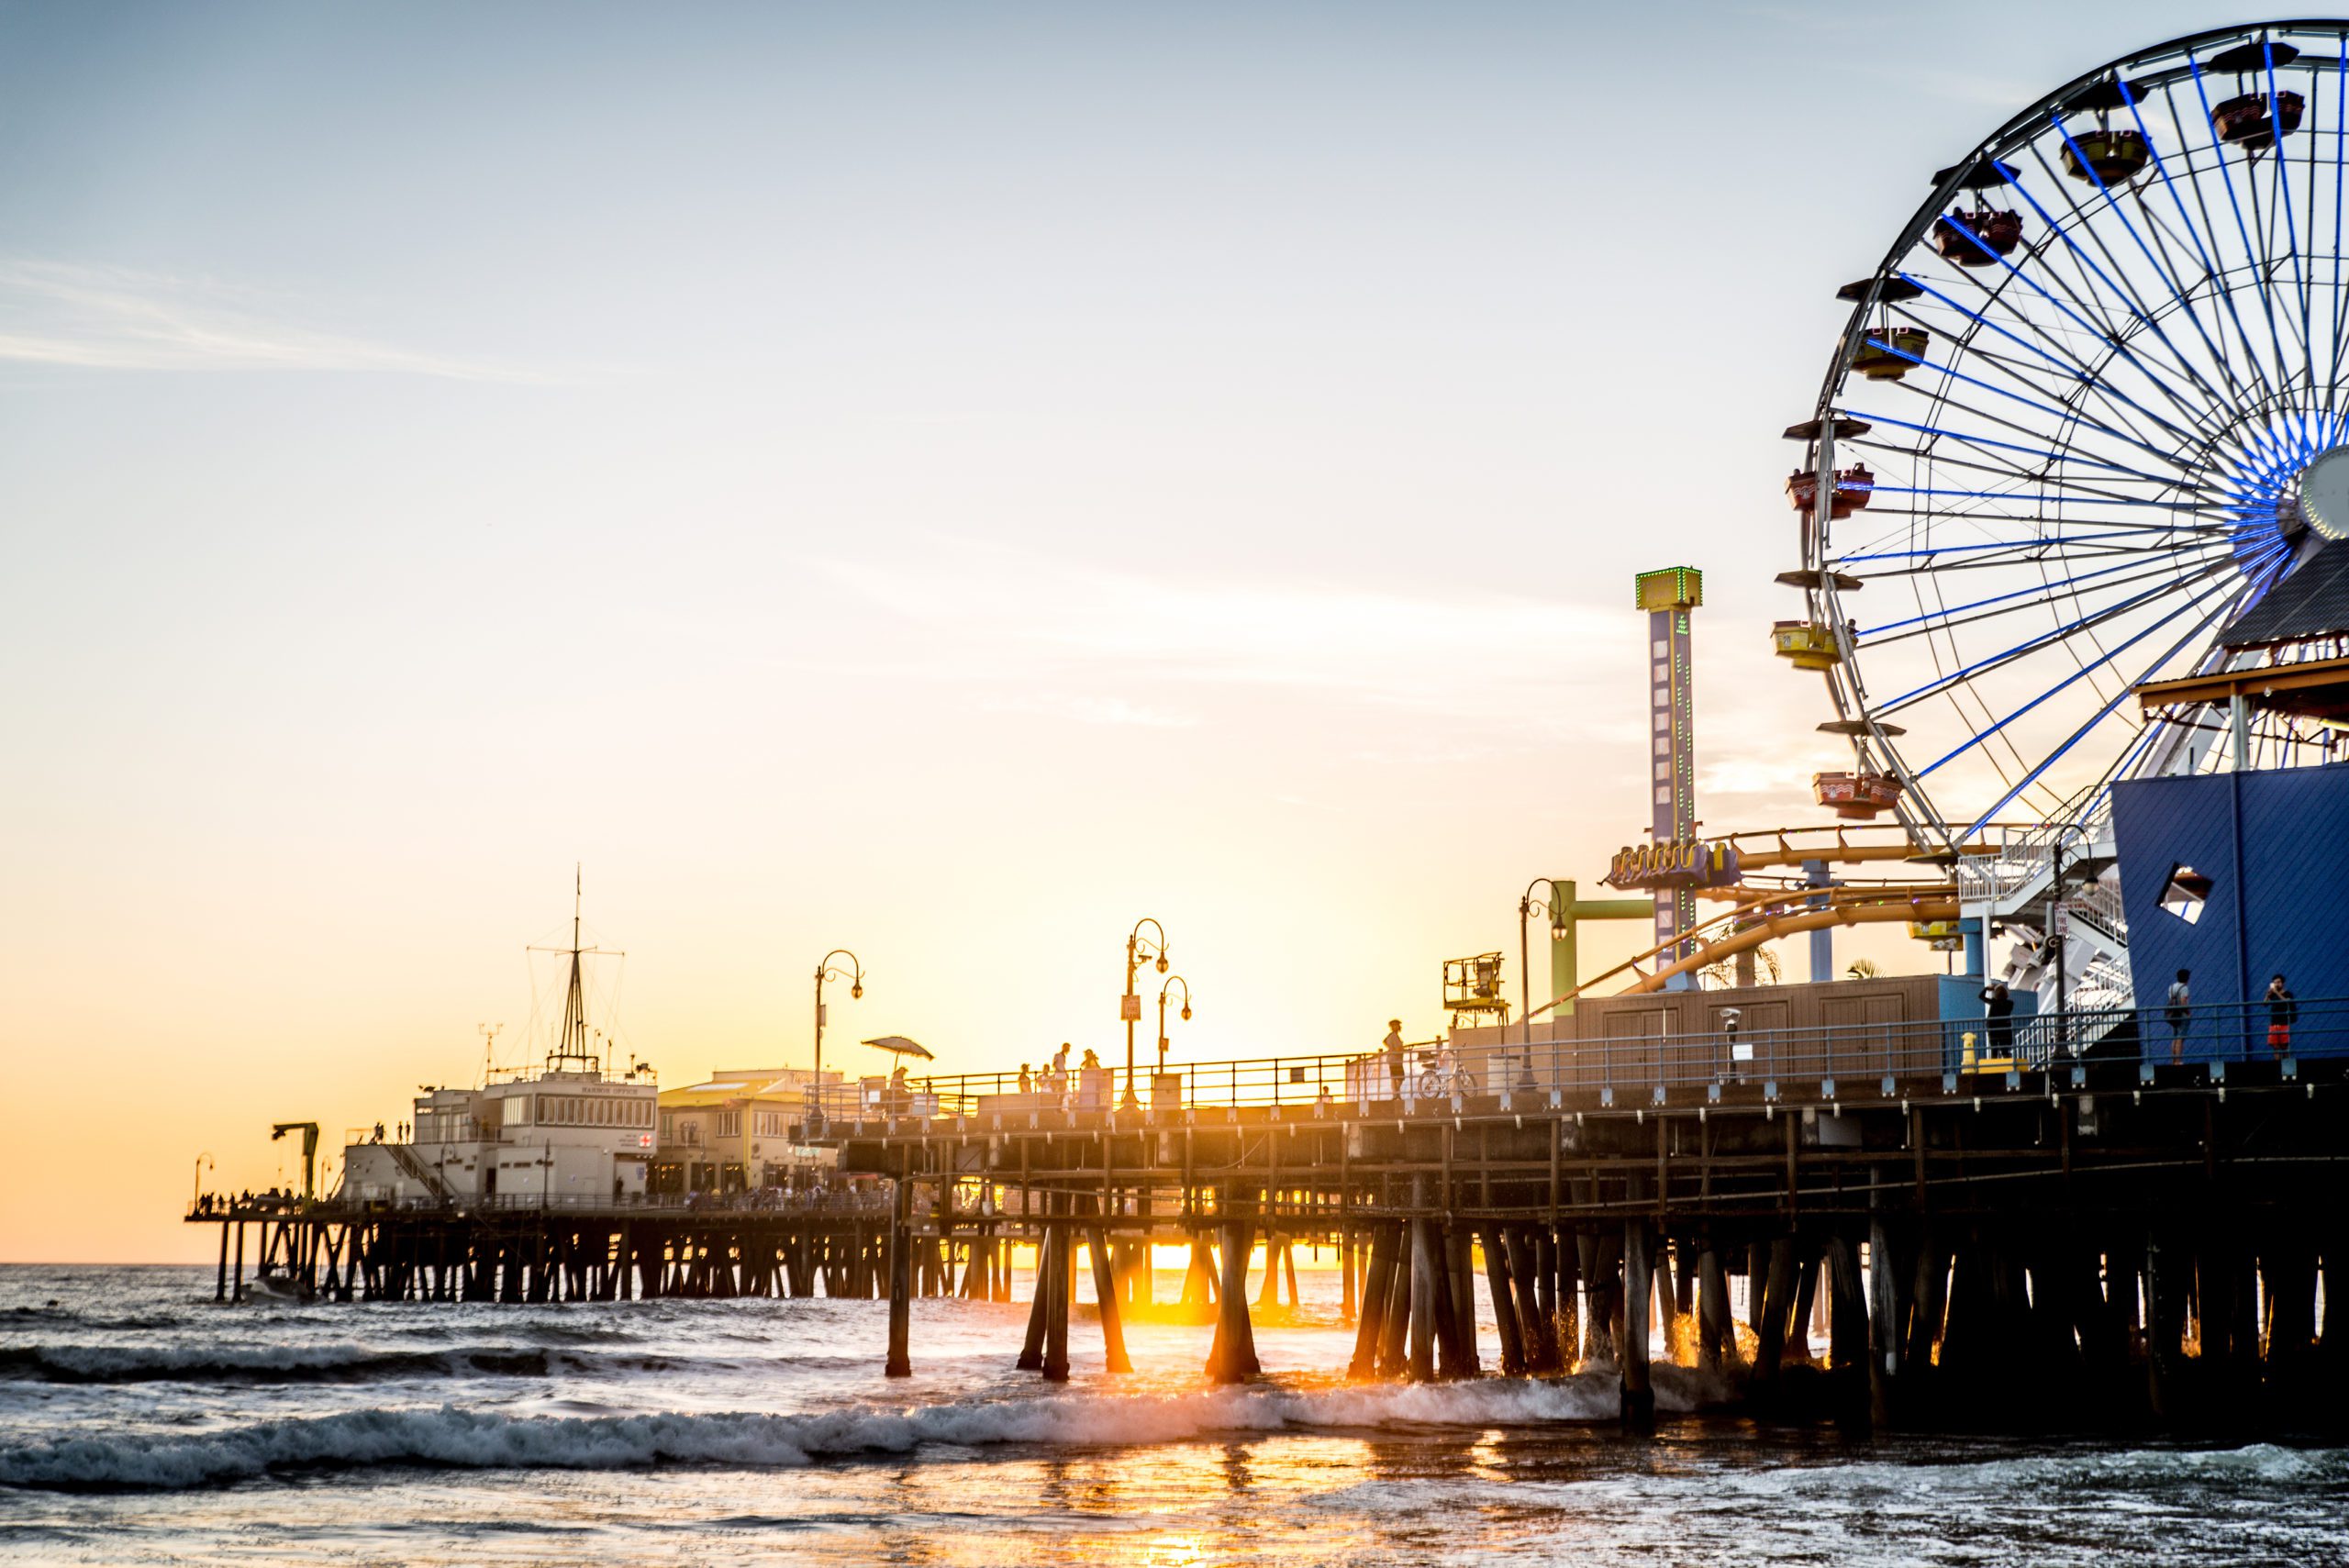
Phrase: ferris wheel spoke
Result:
[1992,447]
[2096,719]
[2042,404]
[2087,492]
[2086,668]
[2110,274]
[1943,398]
[2340,179]
[2162,267]
[2025,598]
[2264,220]
[2162,239]
[2090,499]
[2084,373]
[2208,250]
[2023,650]
[1997,554]
[2235,203]
[2284,205]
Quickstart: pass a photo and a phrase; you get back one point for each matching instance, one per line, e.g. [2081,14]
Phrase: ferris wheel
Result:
[2086,413]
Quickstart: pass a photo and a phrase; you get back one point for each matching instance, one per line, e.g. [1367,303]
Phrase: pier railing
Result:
[834,1202]
[1848,1060]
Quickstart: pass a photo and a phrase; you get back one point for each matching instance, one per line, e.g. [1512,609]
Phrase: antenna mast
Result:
[573,1044]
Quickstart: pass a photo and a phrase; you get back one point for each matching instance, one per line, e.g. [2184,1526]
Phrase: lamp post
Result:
[1526,904]
[827,970]
[206,1159]
[1171,981]
[1138,948]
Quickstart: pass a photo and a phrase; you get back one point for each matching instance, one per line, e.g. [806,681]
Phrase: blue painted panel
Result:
[2276,846]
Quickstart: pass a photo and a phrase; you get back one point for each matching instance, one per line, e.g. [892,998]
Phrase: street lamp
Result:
[1171,981]
[1138,948]
[1526,904]
[206,1159]
[827,970]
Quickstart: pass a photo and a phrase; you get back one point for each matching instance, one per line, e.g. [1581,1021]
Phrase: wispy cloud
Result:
[1476,677]
[1082,710]
[997,614]
[95,317]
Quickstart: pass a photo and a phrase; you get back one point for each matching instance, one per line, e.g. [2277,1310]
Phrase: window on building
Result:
[2184,893]
[729,1124]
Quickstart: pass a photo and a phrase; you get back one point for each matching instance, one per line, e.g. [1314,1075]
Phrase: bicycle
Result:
[1438,1081]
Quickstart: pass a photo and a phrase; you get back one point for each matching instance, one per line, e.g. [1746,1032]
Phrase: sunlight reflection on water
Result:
[735,1432]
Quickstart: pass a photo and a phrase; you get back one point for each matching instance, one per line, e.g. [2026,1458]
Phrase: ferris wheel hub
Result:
[2324,494]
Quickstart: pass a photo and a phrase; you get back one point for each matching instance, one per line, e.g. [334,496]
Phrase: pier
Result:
[2058,1237]
[536,1251]
[2062,1227]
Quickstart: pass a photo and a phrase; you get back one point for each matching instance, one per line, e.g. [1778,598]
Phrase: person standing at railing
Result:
[1393,1046]
[1999,1019]
[2177,1011]
[1027,1082]
[2283,1012]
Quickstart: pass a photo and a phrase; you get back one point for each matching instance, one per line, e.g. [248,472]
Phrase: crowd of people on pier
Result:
[273,1201]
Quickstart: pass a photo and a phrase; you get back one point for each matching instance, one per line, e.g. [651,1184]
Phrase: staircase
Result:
[2015,885]
[417,1171]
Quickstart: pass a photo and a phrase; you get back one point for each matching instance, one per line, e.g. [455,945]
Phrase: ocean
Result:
[140,1423]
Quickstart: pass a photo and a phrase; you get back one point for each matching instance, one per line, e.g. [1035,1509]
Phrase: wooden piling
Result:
[1425,1270]
[1378,1283]
[1394,1335]
[1848,1329]
[1638,1399]
[1105,1286]
[1232,1357]
[1569,1313]
[1716,1326]
[1031,1352]
[1534,1333]
[901,1269]
[1056,1315]
[1506,1317]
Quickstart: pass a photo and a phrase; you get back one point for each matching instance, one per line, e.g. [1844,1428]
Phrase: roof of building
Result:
[2309,603]
[726,1091]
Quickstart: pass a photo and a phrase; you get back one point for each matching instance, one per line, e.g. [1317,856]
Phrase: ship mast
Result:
[570,1045]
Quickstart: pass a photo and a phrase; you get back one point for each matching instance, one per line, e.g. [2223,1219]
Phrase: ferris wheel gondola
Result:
[2068,434]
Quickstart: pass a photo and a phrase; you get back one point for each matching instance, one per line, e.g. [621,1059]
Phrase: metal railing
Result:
[1854,1058]
[2023,854]
[764,1200]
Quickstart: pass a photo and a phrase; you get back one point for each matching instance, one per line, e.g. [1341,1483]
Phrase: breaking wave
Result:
[450,1437]
[315,1363]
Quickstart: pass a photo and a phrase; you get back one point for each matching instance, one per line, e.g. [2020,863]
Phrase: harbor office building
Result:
[742,1128]
[560,1134]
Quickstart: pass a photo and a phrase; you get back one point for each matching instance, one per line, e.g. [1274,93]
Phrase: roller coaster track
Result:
[1768,916]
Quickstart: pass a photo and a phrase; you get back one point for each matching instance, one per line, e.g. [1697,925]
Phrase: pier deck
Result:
[2007,1232]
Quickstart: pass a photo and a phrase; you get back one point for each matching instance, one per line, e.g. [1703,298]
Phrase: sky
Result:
[945,481]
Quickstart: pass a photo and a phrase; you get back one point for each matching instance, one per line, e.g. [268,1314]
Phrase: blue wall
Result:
[2276,846]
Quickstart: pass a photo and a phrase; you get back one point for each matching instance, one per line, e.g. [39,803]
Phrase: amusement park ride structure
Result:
[2069,514]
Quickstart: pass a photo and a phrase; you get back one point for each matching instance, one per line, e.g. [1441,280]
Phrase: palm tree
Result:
[1723,975]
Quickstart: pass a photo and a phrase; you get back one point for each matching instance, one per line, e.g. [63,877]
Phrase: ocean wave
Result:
[289,1363]
[449,1438]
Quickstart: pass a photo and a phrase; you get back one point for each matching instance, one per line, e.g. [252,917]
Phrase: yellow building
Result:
[740,1129]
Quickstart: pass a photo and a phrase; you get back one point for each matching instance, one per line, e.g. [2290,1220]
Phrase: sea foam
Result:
[451,1438]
